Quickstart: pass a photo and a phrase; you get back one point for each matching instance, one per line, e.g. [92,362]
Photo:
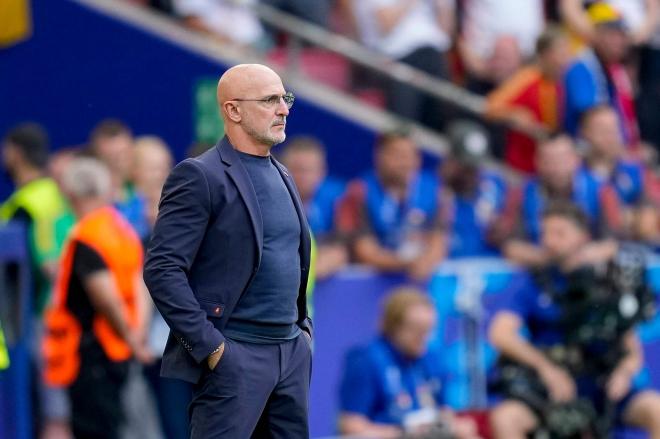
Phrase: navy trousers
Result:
[255,391]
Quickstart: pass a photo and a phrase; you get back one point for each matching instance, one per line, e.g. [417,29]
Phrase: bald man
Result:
[227,268]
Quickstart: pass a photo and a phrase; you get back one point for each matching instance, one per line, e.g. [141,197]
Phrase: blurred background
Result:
[425,138]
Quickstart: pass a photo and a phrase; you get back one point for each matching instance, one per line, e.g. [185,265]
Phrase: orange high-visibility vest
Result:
[112,237]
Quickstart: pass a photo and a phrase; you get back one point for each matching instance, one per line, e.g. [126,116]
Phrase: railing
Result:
[301,31]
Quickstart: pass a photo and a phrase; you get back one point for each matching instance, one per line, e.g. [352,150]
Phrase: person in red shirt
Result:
[532,99]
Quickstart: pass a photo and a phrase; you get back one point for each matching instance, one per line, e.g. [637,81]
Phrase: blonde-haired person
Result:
[393,385]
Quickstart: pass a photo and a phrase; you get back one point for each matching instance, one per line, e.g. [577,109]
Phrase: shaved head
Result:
[251,122]
[241,80]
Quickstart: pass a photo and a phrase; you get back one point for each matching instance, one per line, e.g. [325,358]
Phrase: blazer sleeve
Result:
[184,213]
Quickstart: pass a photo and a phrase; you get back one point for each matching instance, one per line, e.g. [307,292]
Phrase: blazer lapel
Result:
[241,179]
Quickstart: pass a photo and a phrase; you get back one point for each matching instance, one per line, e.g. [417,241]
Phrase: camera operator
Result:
[537,306]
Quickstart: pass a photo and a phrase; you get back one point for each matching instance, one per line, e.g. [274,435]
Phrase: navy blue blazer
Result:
[204,252]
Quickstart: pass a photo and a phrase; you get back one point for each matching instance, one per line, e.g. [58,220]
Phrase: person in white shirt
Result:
[497,37]
[229,20]
[415,32]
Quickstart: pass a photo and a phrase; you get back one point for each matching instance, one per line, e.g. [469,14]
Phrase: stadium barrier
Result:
[15,316]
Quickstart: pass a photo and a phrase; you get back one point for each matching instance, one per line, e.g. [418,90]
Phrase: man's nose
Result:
[282,108]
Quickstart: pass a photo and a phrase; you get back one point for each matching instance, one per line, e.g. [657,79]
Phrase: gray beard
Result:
[264,138]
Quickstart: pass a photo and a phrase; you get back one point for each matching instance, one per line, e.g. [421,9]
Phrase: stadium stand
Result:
[151,66]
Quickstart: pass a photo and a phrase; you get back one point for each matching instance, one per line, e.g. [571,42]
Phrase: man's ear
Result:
[232,111]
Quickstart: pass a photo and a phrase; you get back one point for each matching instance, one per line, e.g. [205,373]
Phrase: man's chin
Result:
[278,138]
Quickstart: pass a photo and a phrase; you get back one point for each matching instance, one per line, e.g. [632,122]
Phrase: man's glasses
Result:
[273,100]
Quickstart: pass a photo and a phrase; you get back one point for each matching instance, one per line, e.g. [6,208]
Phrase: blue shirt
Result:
[538,309]
[586,194]
[586,86]
[133,210]
[470,217]
[627,179]
[267,311]
[320,209]
[384,386]
[392,220]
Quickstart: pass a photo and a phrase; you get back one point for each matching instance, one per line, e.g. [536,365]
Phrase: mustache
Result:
[281,121]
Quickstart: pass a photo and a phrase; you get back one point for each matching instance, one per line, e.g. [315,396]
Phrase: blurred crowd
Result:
[540,64]
[577,83]
[88,210]
[396,218]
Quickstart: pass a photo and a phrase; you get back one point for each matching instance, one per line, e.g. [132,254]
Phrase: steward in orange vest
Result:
[95,322]
[105,232]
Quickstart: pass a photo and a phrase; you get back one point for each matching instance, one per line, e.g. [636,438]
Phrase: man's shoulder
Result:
[208,161]
[208,164]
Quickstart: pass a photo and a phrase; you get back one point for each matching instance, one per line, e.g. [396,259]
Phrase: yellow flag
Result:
[15,22]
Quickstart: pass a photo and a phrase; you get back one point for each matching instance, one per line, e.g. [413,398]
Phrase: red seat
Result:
[321,65]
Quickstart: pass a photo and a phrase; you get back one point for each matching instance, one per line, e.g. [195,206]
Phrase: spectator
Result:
[649,87]
[604,156]
[112,143]
[539,307]
[472,196]
[59,161]
[645,227]
[391,213]
[394,384]
[151,166]
[58,164]
[36,202]
[417,33]
[152,163]
[532,99]
[642,20]
[230,21]
[94,324]
[639,16]
[560,177]
[305,158]
[599,77]
[496,38]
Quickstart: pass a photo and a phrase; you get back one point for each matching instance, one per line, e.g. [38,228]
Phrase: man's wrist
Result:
[216,350]
[214,357]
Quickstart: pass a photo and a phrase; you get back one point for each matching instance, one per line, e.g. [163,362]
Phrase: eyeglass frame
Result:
[286,96]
